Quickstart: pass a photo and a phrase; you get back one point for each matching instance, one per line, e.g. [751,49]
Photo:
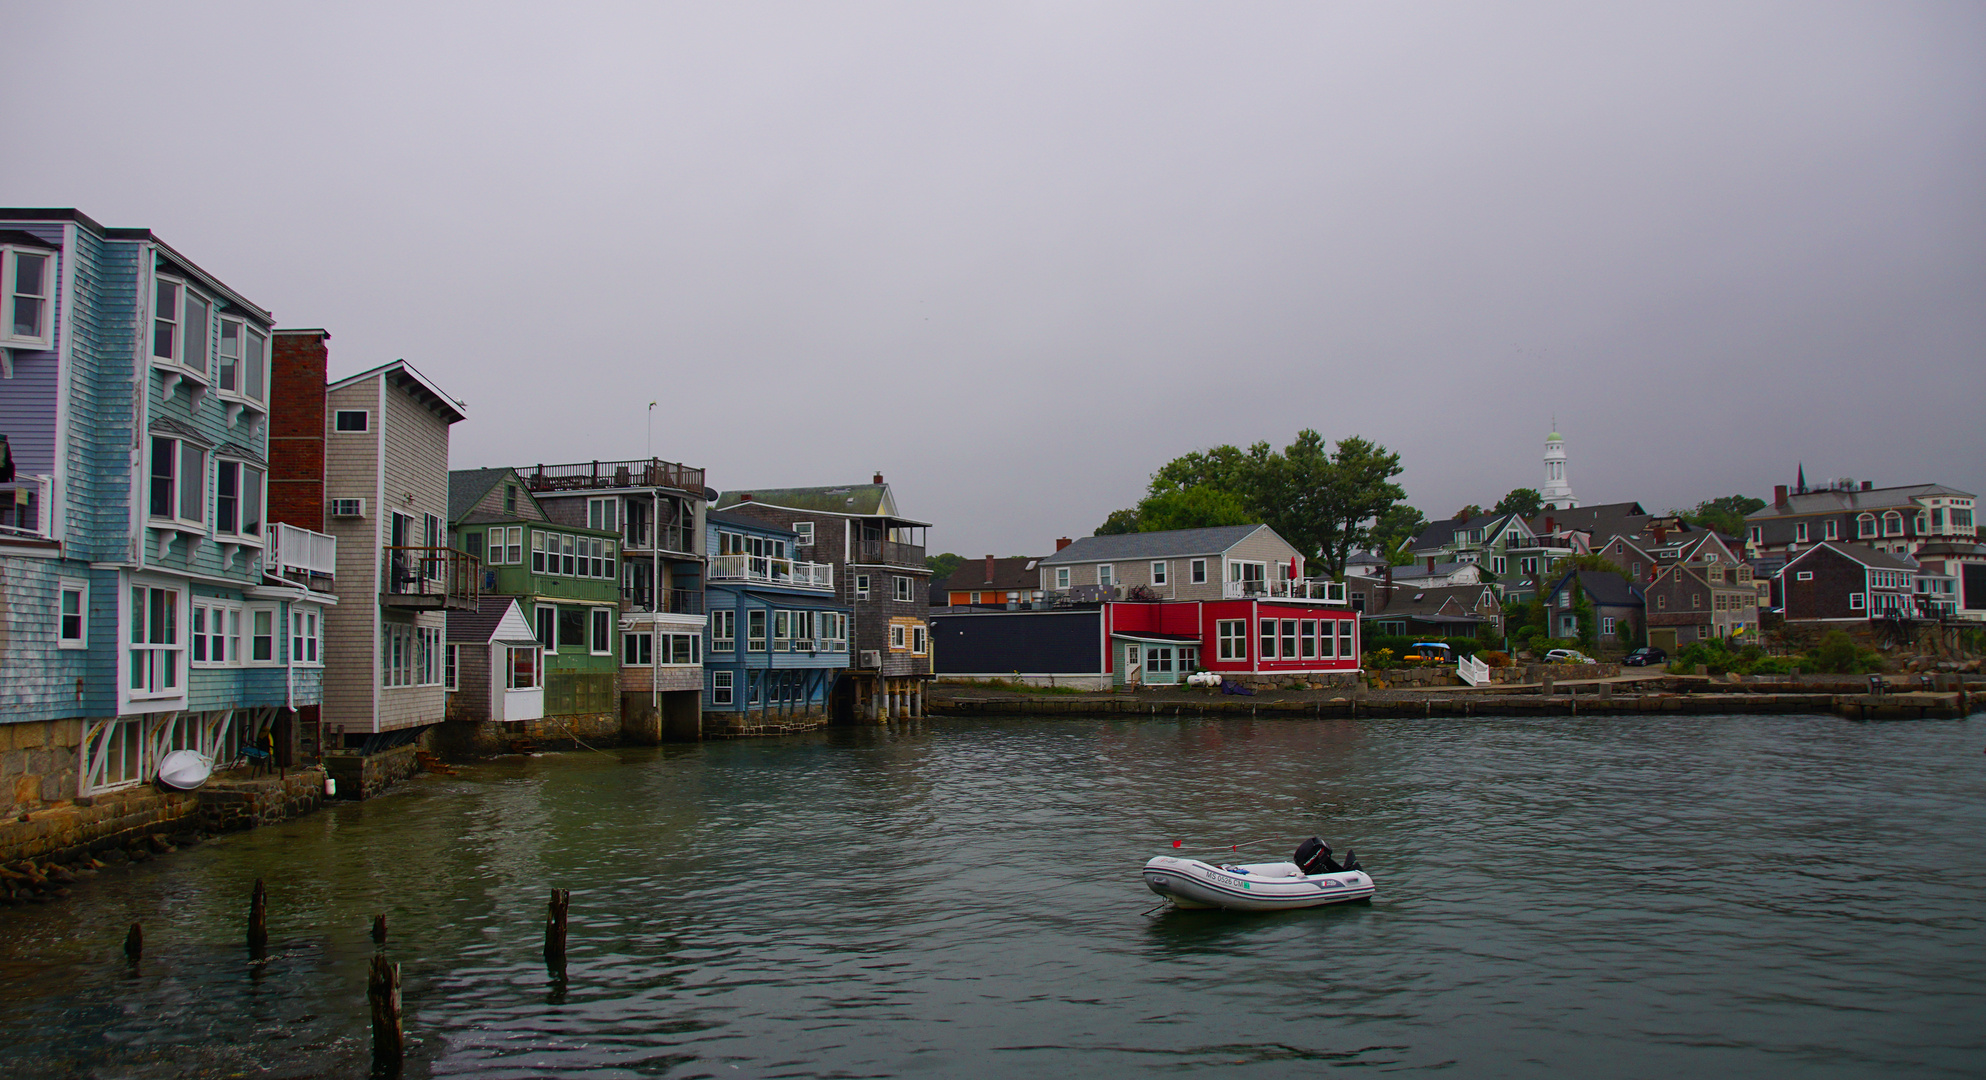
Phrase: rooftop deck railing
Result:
[890,553]
[771,571]
[1329,592]
[583,475]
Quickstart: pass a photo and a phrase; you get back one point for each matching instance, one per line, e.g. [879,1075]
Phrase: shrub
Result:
[1838,654]
[1496,659]
[1381,660]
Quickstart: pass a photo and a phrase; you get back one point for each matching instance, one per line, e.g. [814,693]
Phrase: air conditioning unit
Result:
[872,658]
[347,508]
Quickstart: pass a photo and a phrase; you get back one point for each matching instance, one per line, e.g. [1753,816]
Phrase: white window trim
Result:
[179,470]
[804,530]
[337,414]
[67,587]
[45,340]
[240,392]
[920,640]
[897,643]
[262,498]
[593,622]
[1106,575]
[901,589]
[313,631]
[214,607]
[1061,577]
[451,666]
[176,364]
[539,612]
[128,649]
[1159,572]
[1198,575]
[1855,602]
[723,688]
[279,635]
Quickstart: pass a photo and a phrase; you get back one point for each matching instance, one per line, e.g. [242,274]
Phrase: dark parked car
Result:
[1644,657]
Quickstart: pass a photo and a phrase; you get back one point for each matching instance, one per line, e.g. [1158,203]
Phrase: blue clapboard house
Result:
[777,638]
[149,602]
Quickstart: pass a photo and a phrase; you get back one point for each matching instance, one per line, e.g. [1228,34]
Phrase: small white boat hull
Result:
[1191,883]
[185,769]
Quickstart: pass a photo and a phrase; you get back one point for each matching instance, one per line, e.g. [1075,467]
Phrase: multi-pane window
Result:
[782,631]
[897,636]
[902,586]
[547,625]
[178,481]
[451,666]
[216,633]
[181,330]
[1307,639]
[238,362]
[861,586]
[538,551]
[720,687]
[1892,524]
[638,649]
[1232,635]
[306,636]
[156,650]
[1325,648]
[1199,571]
[603,630]
[1268,639]
[27,282]
[1158,573]
[73,615]
[1289,639]
[522,667]
[604,514]
[755,631]
[1106,575]
[1061,577]
[723,631]
[805,533]
[237,499]
[1345,647]
[919,640]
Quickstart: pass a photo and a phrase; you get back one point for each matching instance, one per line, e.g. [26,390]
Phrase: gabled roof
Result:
[1414,600]
[1857,501]
[718,517]
[856,500]
[1009,574]
[401,374]
[466,488]
[1170,544]
[1602,522]
[496,618]
[1603,587]
[1440,534]
[1861,553]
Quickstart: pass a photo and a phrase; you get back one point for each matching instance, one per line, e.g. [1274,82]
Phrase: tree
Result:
[1394,532]
[1524,502]
[941,566]
[1119,522]
[1467,512]
[1197,507]
[1725,515]
[1361,490]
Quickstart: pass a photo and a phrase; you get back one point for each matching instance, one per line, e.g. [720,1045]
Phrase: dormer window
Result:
[27,284]
[1892,524]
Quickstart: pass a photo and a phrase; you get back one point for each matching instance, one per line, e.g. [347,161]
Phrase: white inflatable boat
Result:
[1269,886]
[185,769]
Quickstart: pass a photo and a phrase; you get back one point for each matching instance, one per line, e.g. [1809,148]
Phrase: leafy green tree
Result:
[1361,491]
[1469,511]
[1197,507]
[1118,523]
[941,566]
[1524,502]
[1585,625]
[1393,533]
[1725,515]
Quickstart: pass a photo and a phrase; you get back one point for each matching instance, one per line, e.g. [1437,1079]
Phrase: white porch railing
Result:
[1473,671]
[770,571]
[302,551]
[1328,592]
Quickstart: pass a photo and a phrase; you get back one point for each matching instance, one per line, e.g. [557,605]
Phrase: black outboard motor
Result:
[1313,856]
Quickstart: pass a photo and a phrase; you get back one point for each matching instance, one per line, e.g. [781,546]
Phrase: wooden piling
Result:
[555,925]
[134,941]
[258,919]
[379,929]
[388,1035]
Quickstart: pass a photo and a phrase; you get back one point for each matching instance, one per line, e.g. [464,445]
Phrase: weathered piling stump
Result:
[379,929]
[388,1036]
[134,941]
[555,926]
[258,919]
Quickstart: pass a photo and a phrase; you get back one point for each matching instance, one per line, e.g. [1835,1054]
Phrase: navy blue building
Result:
[778,639]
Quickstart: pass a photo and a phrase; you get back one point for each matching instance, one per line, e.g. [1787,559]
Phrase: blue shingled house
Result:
[778,638]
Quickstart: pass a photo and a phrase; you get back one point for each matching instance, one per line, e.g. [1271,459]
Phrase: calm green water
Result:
[1731,896]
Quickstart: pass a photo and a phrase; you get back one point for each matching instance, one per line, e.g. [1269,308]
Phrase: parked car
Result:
[1645,657]
[1568,656]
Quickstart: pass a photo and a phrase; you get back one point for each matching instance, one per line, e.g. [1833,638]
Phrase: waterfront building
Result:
[1225,562]
[657,507]
[1897,520]
[150,603]
[778,639]
[880,575]
[1435,611]
[1013,582]
[1954,578]
[1690,602]
[365,459]
[1619,609]
[1847,583]
[565,581]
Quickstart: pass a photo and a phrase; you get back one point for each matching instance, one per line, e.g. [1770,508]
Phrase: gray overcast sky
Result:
[1017,256]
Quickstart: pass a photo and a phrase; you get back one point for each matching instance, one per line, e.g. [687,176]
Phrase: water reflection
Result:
[1717,895]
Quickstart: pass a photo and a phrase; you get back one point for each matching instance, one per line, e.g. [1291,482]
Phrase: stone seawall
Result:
[365,776]
[461,739]
[233,805]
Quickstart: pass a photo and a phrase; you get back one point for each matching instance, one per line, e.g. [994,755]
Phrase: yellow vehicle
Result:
[1429,652]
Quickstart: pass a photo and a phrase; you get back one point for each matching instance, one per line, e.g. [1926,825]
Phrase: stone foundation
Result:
[460,739]
[725,725]
[228,805]
[68,831]
[366,776]
[38,761]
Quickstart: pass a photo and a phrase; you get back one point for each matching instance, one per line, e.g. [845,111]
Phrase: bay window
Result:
[238,500]
[179,481]
[181,326]
[521,671]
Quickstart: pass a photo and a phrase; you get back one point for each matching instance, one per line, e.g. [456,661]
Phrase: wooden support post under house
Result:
[258,919]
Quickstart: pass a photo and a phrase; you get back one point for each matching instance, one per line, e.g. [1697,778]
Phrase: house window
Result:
[537,551]
[1106,575]
[1758,534]
[209,634]
[514,545]
[681,649]
[1637,570]
[27,281]
[782,631]
[720,687]
[805,529]
[1307,639]
[452,666]
[521,669]
[1865,526]
[155,646]
[547,619]
[755,631]
[356,420]
[572,626]
[240,367]
[603,632]
[568,565]
[638,650]
[1158,573]
[1345,646]
[72,618]
[1661,603]
[861,586]
[179,473]
[1892,524]
[1198,572]
[1499,565]
[1268,635]
[306,636]
[896,637]
[723,631]
[1565,599]
[603,514]
[1855,601]
[1607,626]
[510,498]
[919,642]
[1232,638]
[262,631]
[1289,639]
[180,326]
[901,585]
[1800,533]
[238,499]
[1062,577]
[1833,528]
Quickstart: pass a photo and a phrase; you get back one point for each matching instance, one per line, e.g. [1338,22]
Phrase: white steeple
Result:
[1557,493]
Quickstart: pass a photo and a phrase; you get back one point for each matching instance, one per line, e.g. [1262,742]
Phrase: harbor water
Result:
[1622,896]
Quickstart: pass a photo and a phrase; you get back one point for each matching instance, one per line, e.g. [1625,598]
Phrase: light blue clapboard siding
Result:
[105,311]
[39,680]
[27,414]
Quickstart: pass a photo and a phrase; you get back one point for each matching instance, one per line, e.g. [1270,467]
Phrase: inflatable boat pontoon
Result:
[1270,886]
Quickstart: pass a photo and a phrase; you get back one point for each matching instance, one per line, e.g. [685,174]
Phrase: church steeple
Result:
[1557,492]
[1800,485]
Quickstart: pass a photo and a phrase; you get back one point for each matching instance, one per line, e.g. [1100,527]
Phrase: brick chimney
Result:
[1062,542]
[744,496]
[1430,564]
[989,569]
[1661,534]
[1778,495]
[1551,525]
[878,479]
[298,360]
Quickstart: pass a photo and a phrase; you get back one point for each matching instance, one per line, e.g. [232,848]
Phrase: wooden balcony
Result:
[429,579]
[890,553]
[641,473]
